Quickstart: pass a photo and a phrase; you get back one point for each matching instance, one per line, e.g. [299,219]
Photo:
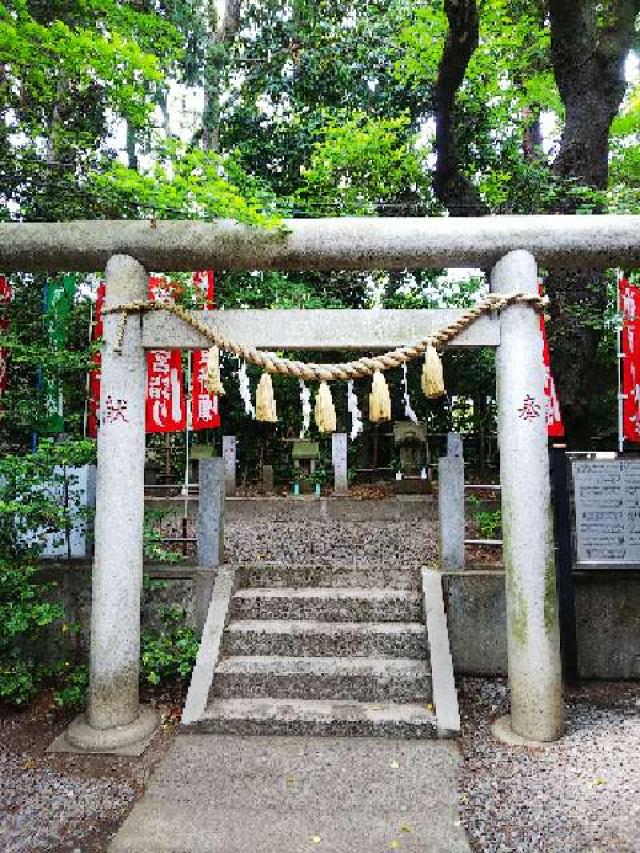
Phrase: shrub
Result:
[32,622]
[168,655]
[26,617]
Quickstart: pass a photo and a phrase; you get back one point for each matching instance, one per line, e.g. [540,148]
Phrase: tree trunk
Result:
[132,151]
[588,62]
[456,192]
[221,28]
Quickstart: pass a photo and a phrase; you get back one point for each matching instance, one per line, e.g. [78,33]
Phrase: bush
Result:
[32,622]
[168,655]
[152,543]
[73,686]
[26,617]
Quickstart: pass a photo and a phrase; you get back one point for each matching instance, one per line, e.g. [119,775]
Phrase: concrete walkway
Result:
[226,794]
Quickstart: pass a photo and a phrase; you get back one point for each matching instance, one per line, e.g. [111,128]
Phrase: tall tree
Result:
[590,42]
[220,26]
[453,188]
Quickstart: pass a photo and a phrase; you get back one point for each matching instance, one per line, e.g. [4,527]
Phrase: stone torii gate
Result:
[511,246]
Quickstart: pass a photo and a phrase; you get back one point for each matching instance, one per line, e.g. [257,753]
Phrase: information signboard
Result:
[607,510]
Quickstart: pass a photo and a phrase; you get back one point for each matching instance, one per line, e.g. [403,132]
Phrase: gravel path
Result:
[406,543]
[582,794]
[42,806]
[65,803]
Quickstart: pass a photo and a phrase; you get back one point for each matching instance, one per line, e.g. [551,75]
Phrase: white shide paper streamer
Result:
[408,408]
[354,410]
[305,400]
[245,390]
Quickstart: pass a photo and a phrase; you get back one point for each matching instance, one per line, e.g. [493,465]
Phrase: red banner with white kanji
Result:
[555,427]
[5,298]
[165,409]
[165,406]
[204,405]
[93,409]
[629,295]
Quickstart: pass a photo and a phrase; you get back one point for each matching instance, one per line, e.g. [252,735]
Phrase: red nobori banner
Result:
[166,409]
[165,403]
[5,298]
[204,281]
[204,406]
[629,295]
[93,409]
[555,427]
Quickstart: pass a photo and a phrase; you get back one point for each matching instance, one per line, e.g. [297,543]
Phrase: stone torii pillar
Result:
[114,720]
[533,641]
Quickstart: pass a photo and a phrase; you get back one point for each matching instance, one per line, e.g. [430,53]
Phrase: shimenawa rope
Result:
[356,369]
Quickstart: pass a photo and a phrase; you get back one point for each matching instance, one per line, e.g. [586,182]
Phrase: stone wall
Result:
[309,508]
[607,622]
[607,606]
[164,586]
[379,533]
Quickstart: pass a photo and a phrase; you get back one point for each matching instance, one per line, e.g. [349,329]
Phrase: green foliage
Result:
[26,506]
[168,655]
[188,183]
[359,163]
[422,40]
[153,546]
[105,49]
[508,86]
[488,522]
[31,614]
[624,171]
[73,686]
[26,617]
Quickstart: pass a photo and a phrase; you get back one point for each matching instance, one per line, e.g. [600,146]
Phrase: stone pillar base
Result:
[132,739]
[502,731]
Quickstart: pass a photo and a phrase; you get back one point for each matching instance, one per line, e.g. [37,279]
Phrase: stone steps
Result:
[317,650]
[365,679]
[330,604]
[313,638]
[269,716]
[344,575]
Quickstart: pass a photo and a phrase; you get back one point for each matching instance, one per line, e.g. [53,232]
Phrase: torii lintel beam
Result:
[346,243]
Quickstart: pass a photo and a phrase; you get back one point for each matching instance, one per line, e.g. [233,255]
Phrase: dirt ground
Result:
[58,802]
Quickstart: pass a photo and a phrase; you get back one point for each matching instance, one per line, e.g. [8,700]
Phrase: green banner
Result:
[59,297]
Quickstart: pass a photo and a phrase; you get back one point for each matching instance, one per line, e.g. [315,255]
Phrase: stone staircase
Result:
[326,650]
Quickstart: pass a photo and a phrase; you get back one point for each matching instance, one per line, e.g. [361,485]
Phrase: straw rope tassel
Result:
[265,401]
[325,413]
[213,382]
[379,399]
[432,373]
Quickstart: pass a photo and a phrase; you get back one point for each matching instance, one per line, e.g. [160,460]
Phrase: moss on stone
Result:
[519,616]
[550,594]
[517,606]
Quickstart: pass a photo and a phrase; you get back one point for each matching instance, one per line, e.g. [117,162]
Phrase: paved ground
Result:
[223,794]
